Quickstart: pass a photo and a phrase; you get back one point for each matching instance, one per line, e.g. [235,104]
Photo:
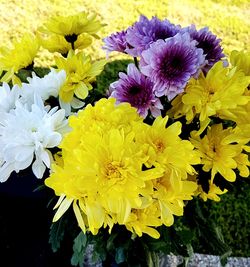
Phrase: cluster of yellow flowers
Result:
[66,35]
[223,94]
[117,169]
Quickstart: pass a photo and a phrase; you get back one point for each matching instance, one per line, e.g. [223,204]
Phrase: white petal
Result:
[76,103]
[65,106]
[44,156]
[38,168]
[5,171]
[21,165]
[58,117]
[54,140]
[22,153]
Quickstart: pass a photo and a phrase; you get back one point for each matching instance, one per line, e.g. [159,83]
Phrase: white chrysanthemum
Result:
[8,97]
[26,134]
[46,87]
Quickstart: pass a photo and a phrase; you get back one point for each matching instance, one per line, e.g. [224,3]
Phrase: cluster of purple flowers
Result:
[169,56]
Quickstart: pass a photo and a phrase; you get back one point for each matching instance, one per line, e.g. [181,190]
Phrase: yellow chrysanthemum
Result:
[75,30]
[57,43]
[221,90]
[241,60]
[103,174]
[240,116]
[213,193]
[143,220]
[170,192]
[221,152]
[20,56]
[104,171]
[80,74]
[164,147]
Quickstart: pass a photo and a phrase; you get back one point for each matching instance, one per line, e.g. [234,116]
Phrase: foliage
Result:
[79,248]
[56,234]
[110,74]
[233,218]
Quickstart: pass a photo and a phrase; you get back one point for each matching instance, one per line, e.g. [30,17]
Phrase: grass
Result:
[229,19]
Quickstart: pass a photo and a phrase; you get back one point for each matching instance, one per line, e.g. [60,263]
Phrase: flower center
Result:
[71,38]
[138,96]
[159,146]
[172,67]
[112,170]
[206,46]
[134,90]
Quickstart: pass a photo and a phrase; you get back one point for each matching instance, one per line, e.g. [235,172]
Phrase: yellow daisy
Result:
[80,74]
[143,220]
[164,147]
[20,56]
[213,193]
[241,60]
[75,30]
[170,192]
[220,152]
[214,95]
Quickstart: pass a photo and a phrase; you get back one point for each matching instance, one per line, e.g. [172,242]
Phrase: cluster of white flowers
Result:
[29,127]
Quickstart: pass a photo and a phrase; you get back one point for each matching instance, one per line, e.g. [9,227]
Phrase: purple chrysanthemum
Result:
[143,33]
[210,44]
[136,89]
[171,63]
[115,42]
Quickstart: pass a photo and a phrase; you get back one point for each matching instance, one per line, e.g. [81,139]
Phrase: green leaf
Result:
[41,72]
[99,255]
[110,74]
[56,234]
[157,245]
[190,250]
[186,236]
[79,249]
[23,75]
[120,255]
[110,242]
[39,188]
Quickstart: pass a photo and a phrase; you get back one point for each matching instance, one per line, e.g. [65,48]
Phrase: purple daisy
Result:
[143,33]
[115,42]
[210,44]
[136,89]
[171,63]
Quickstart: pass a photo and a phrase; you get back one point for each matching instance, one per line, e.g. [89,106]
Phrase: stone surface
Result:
[198,260]
[201,260]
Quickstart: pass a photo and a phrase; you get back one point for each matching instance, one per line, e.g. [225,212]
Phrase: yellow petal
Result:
[62,209]
[79,216]
[61,198]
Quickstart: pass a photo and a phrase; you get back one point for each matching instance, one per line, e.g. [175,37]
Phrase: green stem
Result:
[72,45]
[152,259]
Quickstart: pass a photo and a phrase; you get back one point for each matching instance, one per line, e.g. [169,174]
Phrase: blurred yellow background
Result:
[229,19]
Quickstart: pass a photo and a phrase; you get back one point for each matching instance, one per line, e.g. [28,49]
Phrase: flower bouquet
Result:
[127,159]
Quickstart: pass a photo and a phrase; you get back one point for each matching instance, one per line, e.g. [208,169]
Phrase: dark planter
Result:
[24,224]
[23,184]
